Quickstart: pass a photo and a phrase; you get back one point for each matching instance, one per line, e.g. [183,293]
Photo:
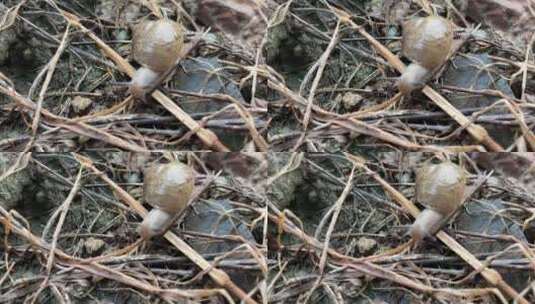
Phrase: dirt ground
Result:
[309,164]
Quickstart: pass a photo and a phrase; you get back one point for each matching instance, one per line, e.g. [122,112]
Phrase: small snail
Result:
[157,46]
[440,188]
[167,188]
[427,43]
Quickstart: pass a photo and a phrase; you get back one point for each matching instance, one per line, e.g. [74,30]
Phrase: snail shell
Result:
[157,44]
[440,187]
[427,41]
[168,186]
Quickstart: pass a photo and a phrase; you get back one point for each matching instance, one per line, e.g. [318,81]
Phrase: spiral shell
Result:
[427,40]
[440,187]
[157,44]
[168,187]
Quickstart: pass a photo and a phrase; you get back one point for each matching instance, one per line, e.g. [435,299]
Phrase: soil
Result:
[304,153]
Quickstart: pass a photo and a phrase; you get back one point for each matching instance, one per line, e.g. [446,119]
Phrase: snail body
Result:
[440,188]
[166,187]
[427,42]
[157,46]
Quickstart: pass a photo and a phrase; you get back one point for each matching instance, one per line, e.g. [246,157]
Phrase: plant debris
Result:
[302,138]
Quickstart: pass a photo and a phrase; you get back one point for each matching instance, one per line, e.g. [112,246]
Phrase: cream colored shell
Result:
[440,187]
[168,186]
[157,44]
[427,41]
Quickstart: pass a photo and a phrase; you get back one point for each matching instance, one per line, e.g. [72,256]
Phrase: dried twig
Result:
[70,124]
[320,65]
[64,208]
[491,275]
[12,225]
[207,136]
[217,275]
[478,132]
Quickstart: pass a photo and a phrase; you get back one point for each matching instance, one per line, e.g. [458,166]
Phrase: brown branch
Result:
[64,208]
[51,67]
[479,133]
[219,276]
[12,225]
[207,136]
[70,124]
[491,275]
[322,62]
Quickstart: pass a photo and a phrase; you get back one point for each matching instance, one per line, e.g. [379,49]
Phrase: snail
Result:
[427,42]
[440,188]
[166,187]
[157,46]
